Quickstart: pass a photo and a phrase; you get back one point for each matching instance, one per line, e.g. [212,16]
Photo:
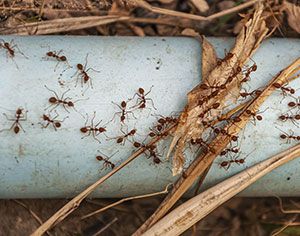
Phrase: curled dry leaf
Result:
[293,13]
[203,104]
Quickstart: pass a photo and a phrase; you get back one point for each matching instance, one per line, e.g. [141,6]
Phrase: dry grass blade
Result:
[75,202]
[124,200]
[200,206]
[219,143]
[143,4]
[61,25]
[76,23]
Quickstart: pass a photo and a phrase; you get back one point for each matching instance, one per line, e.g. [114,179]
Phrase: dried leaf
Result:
[209,58]
[201,5]
[201,108]
[293,13]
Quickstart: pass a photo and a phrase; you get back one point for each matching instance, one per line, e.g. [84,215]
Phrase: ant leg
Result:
[98,71]
[63,94]
[88,86]
[10,119]
[52,92]
[149,99]
[149,90]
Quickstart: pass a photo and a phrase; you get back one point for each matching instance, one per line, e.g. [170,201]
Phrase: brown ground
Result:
[239,216]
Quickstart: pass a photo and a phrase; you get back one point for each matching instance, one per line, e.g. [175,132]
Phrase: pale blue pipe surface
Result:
[43,163]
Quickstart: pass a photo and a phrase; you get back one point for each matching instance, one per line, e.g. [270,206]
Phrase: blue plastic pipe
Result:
[43,163]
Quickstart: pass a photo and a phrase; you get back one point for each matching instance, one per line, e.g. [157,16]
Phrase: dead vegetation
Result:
[170,18]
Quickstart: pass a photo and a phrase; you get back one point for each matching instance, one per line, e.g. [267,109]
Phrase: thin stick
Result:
[126,199]
[35,216]
[106,227]
[143,4]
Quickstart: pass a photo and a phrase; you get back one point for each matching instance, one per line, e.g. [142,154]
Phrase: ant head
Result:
[159,127]
[229,55]
[292,91]
[16,129]
[70,104]
[156,160]
[254,67]
[6,45]
[223,153]
[151,134]
[241,161]
[49,54]
[112,165]
[99,158]
[239,69]
[297,117]
[215,105]
[184,175]
[79,66]
[101,129]
[57,124]
[224,163]
[141,91]
[83,129]
[219,63]
[45,117]
[136,144]
[19,111]
[276,85]
[85,78]
[142,106]
[63,58]
[248,112]
[52,100]
[122,118]
[123,104]
[132,132]
[234,138]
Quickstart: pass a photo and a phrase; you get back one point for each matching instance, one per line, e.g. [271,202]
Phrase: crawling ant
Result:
[107,163]
[156,132]
[253,94]
[234,119]
[284,89]
[56,56]
[123,111]
[122,139]
[91,129]
[83,76]
[141,100]
[56,101]
[227,150]
[224,132]
[289,137]
[286,117]
[19,116]
[203,143]
[55,123]
[255,115]
[9,47]
[227,164]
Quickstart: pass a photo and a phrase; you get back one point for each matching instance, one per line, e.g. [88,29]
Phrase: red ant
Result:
[224,132]
[57,57]
[19,116]
[235,119]
[253,94]
[56,101]
[227,150]
[83,76]
[288,137]
[255,115]
[91,129]
[55,123]
[141,100]
[107,163]
[203,143]
[286,117]
[284,89]
[249,70]
[122,139]
[227,164]
[9,47]
[123,111]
